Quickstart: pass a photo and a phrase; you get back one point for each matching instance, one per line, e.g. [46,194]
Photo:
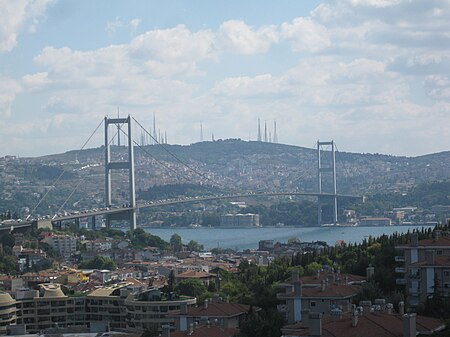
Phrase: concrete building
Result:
[322,293]
[123,306]
[425,267]
[239,220]
[373,323]
[212,312]
[203,277]
[98,245]
[375,222]
[47,308]
[7,311]
[64,245]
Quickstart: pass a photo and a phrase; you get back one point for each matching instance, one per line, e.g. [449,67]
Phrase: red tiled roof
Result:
[442,241]
[330,291]
[194,274]
[441,261]
[374,324]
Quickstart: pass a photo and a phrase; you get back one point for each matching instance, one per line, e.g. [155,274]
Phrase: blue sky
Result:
[374,75]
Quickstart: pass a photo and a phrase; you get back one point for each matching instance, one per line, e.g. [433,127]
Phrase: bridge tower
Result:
[122,165]
[328,168]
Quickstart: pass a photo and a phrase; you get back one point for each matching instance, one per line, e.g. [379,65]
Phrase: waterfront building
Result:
[375,222]
[239,220]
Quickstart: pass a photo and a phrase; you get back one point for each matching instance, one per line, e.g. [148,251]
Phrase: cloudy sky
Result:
[374,75]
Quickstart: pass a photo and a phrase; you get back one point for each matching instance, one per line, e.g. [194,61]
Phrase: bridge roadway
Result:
[117,210]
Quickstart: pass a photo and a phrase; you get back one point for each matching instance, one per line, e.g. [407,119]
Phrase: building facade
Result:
[64,245]
[425,269]
[122,306]
[239,220]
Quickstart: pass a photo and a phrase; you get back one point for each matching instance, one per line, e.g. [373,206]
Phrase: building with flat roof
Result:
[239,220]
[375,222]
[7,311]
[123,306]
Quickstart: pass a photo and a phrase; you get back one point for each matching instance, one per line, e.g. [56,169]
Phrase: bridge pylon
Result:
[330,169]
[121,165]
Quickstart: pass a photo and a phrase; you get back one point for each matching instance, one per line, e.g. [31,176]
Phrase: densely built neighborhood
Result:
[140,295]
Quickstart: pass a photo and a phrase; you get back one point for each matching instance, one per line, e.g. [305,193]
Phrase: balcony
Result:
[400,281]
[401,270]
[399,259]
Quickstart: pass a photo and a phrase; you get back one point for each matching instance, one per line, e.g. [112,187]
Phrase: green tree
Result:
[312,268]
[194,246]
[98,262]
[140,239]
[190,287]
[175,242]
[7,240]
[262,324]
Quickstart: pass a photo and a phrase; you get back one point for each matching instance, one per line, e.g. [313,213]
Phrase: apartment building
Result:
[64,245]
[7,311]
[47,308]
[213,312]
[322,293]
[426,267]
[123,306]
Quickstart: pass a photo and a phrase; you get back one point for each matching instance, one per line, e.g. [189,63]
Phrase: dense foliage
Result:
[140,239]
[159,192]
[98,262]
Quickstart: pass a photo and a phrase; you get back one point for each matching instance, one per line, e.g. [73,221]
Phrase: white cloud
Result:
[112,26]
[17,15]
[375,3]
[9,88]
[246,86]
[174,44]
[238,37]
[134,23]
[36,81]
[359,71]
[306,35]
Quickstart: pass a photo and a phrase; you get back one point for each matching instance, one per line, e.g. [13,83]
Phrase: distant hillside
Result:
[225,164]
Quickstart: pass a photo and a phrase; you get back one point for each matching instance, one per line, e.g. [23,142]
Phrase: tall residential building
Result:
[123,306]
[64,245]
[7,311]
[426,267]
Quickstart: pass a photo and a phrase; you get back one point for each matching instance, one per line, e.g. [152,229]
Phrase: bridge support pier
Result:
[329,168]
[121,165]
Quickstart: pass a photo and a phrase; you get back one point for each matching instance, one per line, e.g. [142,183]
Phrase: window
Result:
[446,273]
[312,304]
[439,252]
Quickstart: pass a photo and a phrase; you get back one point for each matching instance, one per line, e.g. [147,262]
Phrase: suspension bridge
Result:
[326,169]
